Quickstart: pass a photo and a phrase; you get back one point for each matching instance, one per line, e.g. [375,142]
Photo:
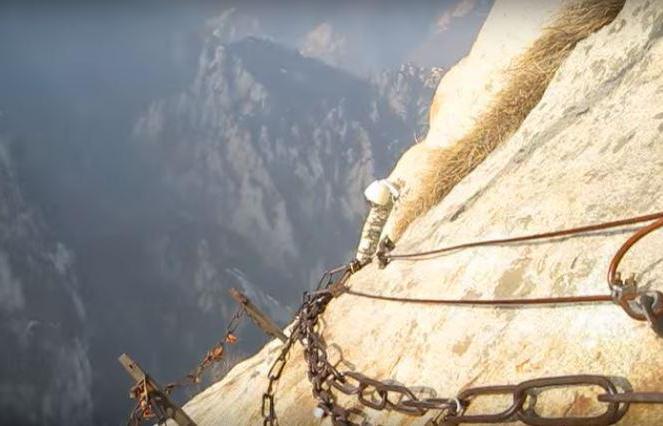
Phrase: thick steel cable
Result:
[320,371]
[594,298]
[617,258]
[600,298]
[531,237]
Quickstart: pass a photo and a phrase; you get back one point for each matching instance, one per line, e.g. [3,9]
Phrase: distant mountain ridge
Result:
[277,145]
[45,373]
[585,148]
[250,177]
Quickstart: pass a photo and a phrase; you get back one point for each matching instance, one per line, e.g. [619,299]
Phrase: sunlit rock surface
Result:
[469,88]
[590,151]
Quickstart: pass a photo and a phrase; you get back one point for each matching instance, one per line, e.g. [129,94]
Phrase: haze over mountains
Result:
[572,136]
[128,210]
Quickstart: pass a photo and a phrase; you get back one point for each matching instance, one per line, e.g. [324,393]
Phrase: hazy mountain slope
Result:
[251,177]
[45,375]
[276,149]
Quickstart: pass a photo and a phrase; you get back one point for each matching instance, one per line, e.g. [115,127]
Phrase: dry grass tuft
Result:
[528,79]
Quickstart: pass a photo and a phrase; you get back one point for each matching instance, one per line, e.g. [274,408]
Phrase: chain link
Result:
[213,355]
[640,304]
[378,395]
[149,406]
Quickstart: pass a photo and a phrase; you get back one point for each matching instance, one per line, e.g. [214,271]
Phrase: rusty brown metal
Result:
[153,403]
[213,355]
[612,414]
[642,305]
[594,298]
[633,397]
[531,237]
[613,278]
[468,395]
[378,395]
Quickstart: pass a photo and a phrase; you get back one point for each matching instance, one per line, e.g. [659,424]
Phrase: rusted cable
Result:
[213,355]
[639,304]
[531,237]
[388,396]
[594,298]
[613,276]
[326,379]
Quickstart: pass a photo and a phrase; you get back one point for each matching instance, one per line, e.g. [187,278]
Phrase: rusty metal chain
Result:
[308,310]
[378,395]
[267,405]
[148,405]
[213,355]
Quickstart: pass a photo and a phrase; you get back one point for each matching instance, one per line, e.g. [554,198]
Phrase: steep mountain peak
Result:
[262,161]
[44,365]
[283,74]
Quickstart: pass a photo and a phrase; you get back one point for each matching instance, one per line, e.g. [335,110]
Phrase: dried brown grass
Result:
[527,81]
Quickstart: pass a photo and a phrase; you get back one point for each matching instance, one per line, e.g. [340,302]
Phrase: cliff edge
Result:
[591,150]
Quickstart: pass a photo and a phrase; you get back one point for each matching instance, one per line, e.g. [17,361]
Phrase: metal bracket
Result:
[641,305]
[258,317]
[385,246]
[650,302]
[156,395]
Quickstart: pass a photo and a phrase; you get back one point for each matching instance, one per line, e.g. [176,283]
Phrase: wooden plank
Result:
[172,410]
[132,368]
[260,319]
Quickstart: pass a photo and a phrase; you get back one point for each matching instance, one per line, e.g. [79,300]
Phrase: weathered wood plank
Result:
[172,410]
[260,319]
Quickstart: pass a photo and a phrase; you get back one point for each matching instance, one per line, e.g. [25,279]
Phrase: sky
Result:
[123,52]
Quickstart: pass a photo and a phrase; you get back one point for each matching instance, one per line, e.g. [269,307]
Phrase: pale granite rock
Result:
[470,87]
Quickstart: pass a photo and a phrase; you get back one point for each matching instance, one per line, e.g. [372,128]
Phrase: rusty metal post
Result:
[260,319]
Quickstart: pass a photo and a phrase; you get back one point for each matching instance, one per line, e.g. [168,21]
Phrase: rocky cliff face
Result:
[275,150]
[251,177]
[589,151]
[44,366]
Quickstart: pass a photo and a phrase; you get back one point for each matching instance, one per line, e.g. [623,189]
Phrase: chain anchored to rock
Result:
[379,395]
[639,304]
[153,402]
[313,305]
[325,378]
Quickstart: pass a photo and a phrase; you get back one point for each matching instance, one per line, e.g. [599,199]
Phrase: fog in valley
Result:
[154,154]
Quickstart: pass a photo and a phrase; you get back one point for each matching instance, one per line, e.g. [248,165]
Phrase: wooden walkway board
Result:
[261,319]
[172,410]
